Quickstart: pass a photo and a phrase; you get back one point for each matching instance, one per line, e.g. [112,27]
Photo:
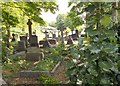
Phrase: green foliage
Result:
[60,21]
[57,53]
[45,79]
[74,20]
[97,62]
[9,19]
[47,64]
[6,52]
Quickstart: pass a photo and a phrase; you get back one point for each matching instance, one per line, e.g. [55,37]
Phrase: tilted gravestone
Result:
[34,56]
[70,40]
[24,38]
[33,41]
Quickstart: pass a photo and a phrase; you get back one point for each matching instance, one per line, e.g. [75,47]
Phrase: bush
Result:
[45,79]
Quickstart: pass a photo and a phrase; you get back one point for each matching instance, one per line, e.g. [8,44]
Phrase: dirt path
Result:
[60,74]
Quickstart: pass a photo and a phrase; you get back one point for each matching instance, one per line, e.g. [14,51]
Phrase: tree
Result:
[12,12]
[60,25]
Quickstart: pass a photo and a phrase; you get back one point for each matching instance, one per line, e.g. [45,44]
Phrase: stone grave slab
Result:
[32,74]
[34,56]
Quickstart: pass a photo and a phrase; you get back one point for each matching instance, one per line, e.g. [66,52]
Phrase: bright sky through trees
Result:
[63,8]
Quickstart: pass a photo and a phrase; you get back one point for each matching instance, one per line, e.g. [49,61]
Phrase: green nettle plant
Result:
[96,62]
[46,79]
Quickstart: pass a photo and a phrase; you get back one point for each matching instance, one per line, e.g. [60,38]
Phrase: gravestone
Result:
[41,43]
[54,35]
[33,41]
[24,38]
[52,41]
[29,23]
[34,56]
[46,34]
[46,44]
[21,46]
[13,38]
[77,34]
[70,40]
[74,36]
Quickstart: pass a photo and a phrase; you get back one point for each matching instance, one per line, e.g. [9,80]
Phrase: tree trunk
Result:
[62,38]
[8,36]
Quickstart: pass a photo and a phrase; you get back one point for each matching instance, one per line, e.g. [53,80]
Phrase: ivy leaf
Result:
[91,32]
[92,71]
[105,81]
[105,20]
[80,41]
[93,48]
[92,58]
[106,65]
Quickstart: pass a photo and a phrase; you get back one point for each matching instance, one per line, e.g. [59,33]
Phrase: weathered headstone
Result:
[52,41]
[74,36]
[46,44]
[21,46]
[41,43]
[77,34]
[24,38]
[54,35]
[70,40]
[34,56]
[13,38]
[34,41]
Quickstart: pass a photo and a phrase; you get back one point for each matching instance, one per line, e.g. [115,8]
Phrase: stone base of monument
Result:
[20,47]
[35,74]
[34,56]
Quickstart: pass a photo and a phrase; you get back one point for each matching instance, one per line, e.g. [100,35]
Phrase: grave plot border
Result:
[35,74]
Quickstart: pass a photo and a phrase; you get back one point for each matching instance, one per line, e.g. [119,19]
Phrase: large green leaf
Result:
[105,20]
[106,65]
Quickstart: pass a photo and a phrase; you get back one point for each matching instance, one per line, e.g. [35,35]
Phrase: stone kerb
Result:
[35,74]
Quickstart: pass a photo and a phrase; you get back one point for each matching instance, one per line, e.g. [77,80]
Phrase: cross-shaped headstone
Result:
[45,34]
[29,23]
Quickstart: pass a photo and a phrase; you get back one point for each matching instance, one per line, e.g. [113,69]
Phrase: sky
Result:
[63,9]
